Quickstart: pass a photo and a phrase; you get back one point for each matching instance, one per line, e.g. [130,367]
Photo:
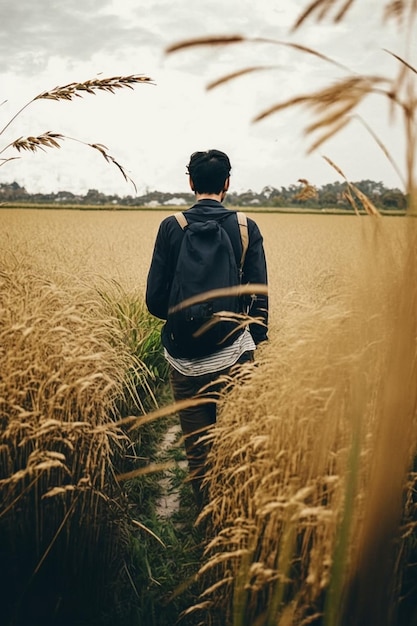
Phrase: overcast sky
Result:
[153,129]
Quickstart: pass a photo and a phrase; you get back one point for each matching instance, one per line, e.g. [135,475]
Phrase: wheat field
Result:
[310,257]
[303,500]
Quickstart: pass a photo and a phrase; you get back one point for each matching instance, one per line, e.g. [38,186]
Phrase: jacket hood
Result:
[206,208]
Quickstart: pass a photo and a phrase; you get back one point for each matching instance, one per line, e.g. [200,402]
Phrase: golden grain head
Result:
[110,85]
[32,144]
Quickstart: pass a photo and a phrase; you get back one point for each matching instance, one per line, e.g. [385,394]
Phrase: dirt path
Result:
[169,502]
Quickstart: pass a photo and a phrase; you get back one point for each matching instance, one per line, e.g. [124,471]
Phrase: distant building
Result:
[175,202]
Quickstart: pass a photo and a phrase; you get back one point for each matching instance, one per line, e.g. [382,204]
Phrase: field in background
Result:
[309,256]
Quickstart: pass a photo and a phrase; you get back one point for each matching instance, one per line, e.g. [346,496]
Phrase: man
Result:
[209,178]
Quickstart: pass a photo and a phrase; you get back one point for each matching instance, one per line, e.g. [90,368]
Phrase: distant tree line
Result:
[303,195]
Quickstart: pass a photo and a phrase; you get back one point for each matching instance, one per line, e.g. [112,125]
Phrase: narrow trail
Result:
[169,501]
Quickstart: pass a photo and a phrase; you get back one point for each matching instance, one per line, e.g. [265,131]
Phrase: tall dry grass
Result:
[311,481]
[63,519]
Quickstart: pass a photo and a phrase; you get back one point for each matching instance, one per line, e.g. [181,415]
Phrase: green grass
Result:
[140,333]
[165,554]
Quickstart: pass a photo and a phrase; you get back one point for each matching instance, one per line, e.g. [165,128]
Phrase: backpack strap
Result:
[243,227]
[181,219]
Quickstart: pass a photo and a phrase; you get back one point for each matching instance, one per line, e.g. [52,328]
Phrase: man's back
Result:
[166,252]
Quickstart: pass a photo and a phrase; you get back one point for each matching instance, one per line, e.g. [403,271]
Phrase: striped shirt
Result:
[215,362]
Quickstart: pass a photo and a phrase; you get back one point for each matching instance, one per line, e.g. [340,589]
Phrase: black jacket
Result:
[166,251]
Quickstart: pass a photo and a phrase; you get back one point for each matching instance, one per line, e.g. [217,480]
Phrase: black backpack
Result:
[206,263]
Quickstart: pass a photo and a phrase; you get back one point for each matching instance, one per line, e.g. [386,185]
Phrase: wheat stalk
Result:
[69,92]
[110,85]
[234,39]
[321,9]
[369,207]
[238,290]
[307,191]
[33,144]
[4,161]
[50,140]
[332,105]
[110,159]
